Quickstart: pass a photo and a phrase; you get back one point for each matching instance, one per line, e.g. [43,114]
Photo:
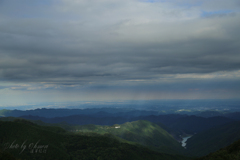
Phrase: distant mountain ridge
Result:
[111,112]
[182,123]
[60,112]
[194,124]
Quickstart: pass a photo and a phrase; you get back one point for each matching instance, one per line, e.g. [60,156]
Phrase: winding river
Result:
[184,140]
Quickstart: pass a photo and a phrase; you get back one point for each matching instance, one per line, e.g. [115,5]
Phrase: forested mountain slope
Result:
[231,152]
[213,139]
[25,140]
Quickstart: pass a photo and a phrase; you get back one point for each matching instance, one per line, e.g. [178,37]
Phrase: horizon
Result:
[164,104]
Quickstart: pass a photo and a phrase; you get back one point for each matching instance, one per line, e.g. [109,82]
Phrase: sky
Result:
[102,50]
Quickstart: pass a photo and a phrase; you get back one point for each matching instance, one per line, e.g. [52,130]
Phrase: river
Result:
[184,140]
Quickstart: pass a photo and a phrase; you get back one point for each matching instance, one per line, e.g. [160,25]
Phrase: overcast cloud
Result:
[64,50]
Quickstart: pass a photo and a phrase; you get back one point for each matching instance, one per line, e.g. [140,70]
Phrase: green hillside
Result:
[143,132]
[213,139]
[26,140]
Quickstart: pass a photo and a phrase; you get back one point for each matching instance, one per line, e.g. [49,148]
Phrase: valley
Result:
[170,135]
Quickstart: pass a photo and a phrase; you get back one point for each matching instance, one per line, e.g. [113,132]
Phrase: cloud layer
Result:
[127,46]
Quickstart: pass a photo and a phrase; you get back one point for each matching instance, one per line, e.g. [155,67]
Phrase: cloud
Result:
[76,44]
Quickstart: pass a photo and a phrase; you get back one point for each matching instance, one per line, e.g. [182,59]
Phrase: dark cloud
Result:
[109,46]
